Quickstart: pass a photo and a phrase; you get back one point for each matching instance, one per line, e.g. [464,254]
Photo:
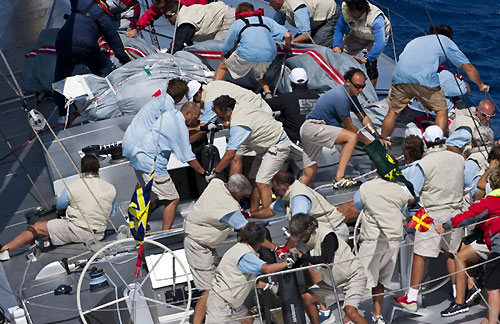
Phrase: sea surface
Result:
[476,31]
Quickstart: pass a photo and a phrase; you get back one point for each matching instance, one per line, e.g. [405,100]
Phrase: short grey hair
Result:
[239,184]
[485,136]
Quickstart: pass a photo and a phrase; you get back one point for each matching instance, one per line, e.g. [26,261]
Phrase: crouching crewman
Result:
[88,202]
[325,247]
[235,275]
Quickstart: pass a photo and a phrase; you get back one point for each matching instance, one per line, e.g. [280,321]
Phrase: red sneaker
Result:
[403,302]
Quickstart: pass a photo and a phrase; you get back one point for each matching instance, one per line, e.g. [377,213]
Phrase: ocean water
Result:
[476,31]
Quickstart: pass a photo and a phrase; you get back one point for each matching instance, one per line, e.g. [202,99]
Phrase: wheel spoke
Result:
[106,305]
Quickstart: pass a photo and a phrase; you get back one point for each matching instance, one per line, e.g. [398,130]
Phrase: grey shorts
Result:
[238,67]
[266,165]
[202,262]
[62,231]
[352,290]
[218,311]
[430,243]
[324,34]
[163,186]
[315,135]
[379,260]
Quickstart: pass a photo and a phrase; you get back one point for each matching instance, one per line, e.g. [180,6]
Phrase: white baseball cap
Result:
[433,134]
[412,129]
[298,76]
[193,86]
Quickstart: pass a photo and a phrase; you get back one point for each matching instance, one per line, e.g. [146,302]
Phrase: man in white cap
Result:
[294,106]
[441,194]
[194,91]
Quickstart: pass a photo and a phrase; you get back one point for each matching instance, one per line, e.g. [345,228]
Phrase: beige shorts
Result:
[400,95]
[315,135]
[62,231]
[163,186]
[218,311]
[266,165]
[245,151]
[238,67]
[226,23]
[481,250]
[379,260]
[202,262]
[430,243]
[353,290]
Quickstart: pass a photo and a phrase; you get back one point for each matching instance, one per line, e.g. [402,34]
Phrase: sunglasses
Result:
[169,15]
[485,115]
[358,86]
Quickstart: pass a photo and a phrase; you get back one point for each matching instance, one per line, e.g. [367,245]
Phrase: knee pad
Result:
[371,69]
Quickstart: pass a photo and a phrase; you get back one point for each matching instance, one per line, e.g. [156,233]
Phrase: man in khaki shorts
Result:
[168,134]
[199,22]
[261,133]
[86,212]
[416,76]
[441,194]
[323,246]
[250,45]
[215,213]
[330,123]
[381,202]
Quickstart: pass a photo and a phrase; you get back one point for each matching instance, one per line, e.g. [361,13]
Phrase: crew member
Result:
[214,214]
[294,106]
[486,211]
[76,43]
[151,111]
[464,127]
[235,275]
[369,29]
[322,127]
[315,20]
[260,132]
[441,195]
[415,76]
[324,246]
[168,134]
[155,11]
[381,231]
[413,152]
[297,198]
[250,46]
[87,202]
[199,22]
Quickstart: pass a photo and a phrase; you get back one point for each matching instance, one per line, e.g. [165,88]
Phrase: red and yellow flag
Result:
[420,221]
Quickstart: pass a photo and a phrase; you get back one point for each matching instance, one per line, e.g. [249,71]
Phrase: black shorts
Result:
[491,278]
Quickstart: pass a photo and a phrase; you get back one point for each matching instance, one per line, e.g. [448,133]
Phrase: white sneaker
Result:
[326,318]
[378,319]
[4,255]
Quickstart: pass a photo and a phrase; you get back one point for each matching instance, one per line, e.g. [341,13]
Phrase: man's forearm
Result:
[473,74]
[261,213]
[225,161]
[196,166]
[302,38]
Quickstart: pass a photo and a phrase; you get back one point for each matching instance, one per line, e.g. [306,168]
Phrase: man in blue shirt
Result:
[151,111]
[415,76]
[323,127]
[367,28]
[169,134]
[250,45]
